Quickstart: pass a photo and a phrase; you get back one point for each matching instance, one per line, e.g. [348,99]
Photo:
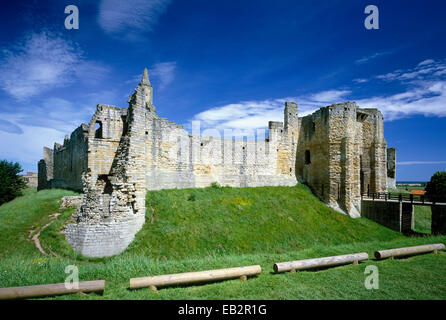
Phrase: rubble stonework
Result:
[30,178]
[391,168]
[123,152]
[342,154]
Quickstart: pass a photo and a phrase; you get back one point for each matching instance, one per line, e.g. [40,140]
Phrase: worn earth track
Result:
[34,234]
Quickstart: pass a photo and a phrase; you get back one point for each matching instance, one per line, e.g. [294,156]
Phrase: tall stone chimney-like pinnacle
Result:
[145,77]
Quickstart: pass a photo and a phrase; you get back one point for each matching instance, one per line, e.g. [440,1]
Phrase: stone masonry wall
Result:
[391,168]
[176,159]
[341,151]
[113,205]
[338,151]
[45,169]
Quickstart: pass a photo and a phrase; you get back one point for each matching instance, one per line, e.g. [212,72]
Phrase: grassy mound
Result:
[216,221]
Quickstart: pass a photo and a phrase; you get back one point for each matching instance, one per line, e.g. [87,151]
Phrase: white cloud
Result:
[27,147]
[9,127]
[425,92]
[427,69]
[370,57]
[425,62]
[43,61]
[256,114]
[329,96]
[164,72]
[408,163]
[130,17]
[27,130]
[36,64]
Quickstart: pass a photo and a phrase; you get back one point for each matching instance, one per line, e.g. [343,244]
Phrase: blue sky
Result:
[229,64]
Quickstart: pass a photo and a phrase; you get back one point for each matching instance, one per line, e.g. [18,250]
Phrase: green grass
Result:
[201,229]
[422,219]
[23,214]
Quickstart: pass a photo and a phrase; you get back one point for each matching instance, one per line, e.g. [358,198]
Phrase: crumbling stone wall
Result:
[341,152]
[176,159]
[113,205]
[391,168]
[45,169]
[338,151]
[62,167]
[30,178]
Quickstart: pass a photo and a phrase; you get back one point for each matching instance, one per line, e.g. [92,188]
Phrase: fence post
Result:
[400,197]
[411,198]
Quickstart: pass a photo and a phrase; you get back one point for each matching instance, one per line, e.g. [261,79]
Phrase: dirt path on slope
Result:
[34,234]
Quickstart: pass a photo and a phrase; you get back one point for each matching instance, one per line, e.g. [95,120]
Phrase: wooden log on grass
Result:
[293,266]
[194,277]
[407,251]
[46,290]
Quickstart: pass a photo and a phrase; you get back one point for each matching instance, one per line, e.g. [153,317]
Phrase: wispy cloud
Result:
[10,127]
[164,72]
[43,61]
[425,92]
[425,70]
[128,19]
[256,114]
[371,57]
[360,80]
[26,130]
[408,163]
[329,96]
[425,95]
[37,63]
[27,147]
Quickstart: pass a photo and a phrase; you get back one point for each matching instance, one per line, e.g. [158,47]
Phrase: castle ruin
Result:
[339,151]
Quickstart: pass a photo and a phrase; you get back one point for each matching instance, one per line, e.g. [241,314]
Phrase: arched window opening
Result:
[98,130]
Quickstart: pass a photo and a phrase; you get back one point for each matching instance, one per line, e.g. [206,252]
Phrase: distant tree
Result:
[11,184]
[436,187]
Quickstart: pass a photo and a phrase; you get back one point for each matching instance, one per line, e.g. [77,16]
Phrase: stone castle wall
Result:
[339,151]
[62,167]
[30,178]
[176,159]
[391,168]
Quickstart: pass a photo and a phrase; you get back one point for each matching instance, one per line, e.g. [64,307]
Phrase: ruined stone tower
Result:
[113,206]
[342,153]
